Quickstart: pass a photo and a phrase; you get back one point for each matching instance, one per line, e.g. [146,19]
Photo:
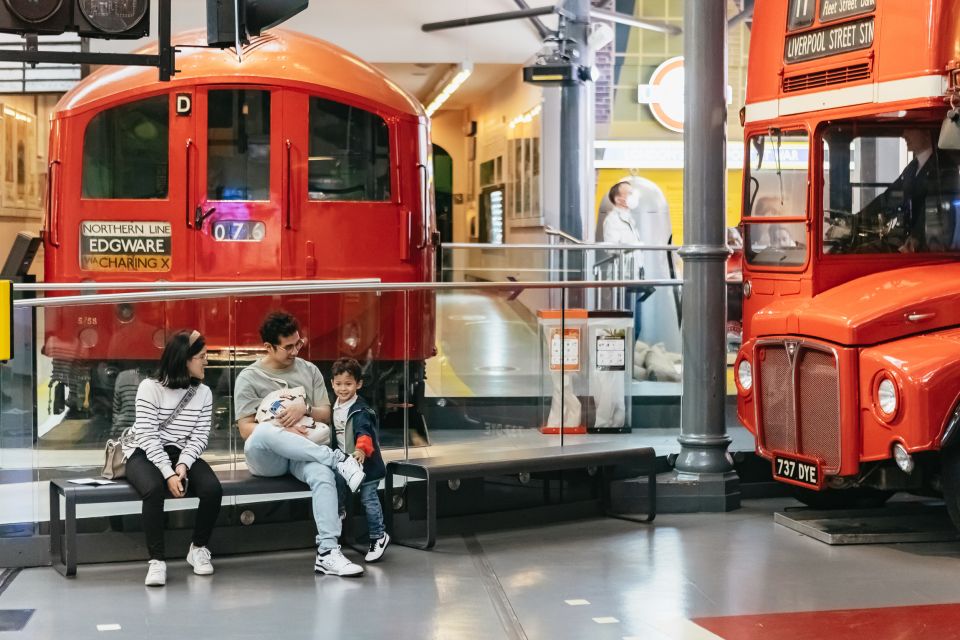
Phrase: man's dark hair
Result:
[347,365]
[172,372]
[278,325]
[615,191]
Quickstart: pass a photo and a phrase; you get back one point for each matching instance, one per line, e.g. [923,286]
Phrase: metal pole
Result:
[703,435]
[573,109]
[166,62]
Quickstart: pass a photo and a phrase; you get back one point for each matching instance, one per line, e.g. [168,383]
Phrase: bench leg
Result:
[388,499]
[431,534]
[70,534]
[56,537]
[651,497]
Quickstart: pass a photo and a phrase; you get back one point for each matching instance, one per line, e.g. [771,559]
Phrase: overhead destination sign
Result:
[829,41]
[831,10]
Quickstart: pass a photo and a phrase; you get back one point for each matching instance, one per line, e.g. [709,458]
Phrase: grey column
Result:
[573,108]
[703,434]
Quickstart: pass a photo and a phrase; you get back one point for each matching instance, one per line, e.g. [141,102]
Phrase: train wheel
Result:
[858,498]
[950,468]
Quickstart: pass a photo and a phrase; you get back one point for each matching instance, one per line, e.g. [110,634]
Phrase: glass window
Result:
[126,151]
[238,145]
[777,188]
[349,153]
[889,190]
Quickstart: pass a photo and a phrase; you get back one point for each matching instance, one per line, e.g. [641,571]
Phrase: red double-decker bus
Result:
[849,374]
[293,161]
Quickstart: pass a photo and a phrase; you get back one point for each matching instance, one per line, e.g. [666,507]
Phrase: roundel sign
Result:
[664,94]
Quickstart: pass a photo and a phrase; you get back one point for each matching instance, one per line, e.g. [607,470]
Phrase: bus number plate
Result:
[800,472]
[238,231]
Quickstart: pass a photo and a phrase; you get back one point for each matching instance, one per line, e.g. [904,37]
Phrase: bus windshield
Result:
[889,190]
[777,188]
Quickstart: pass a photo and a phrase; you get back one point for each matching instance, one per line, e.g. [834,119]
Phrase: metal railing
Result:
[332,286]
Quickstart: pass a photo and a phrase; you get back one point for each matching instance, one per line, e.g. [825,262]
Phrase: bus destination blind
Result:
[829,41]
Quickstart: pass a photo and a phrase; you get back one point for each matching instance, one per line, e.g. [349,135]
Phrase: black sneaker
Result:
[377,547]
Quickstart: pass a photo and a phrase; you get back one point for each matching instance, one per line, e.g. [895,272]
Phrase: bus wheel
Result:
[858,498]
[950,470]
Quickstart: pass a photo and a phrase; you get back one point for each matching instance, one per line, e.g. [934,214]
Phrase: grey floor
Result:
[638,581]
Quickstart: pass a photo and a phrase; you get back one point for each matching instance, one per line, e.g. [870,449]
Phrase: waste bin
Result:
[564,380]
[611,370]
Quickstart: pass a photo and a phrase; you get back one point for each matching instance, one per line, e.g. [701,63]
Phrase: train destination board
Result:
[831,10]
[125,246]
[829,41]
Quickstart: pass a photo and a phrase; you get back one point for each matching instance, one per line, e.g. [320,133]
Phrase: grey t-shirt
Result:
[256,381]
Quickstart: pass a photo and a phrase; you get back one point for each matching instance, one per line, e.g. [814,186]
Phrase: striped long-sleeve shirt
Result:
[188,431]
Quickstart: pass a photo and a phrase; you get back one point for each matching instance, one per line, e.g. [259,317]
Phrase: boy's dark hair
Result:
[172,372]
[347,365]
[277,325]
[615,191]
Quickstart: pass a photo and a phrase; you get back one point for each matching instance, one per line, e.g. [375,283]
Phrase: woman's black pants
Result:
[149,483]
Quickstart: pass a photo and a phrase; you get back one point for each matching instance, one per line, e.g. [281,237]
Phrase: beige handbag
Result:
[115,463]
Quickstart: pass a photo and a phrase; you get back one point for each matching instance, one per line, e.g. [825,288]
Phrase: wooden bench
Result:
[477,464]
[63,540]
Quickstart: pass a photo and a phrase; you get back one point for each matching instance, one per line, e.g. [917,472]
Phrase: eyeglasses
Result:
[290,348]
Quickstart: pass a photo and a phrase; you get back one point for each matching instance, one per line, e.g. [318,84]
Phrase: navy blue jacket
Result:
[362,421]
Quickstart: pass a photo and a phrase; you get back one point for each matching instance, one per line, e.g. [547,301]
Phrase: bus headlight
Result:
[903,458]
[888,400]
[745,375]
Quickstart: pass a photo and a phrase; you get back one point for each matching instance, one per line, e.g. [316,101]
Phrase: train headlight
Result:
[888,398]
[89,338]
[745,375]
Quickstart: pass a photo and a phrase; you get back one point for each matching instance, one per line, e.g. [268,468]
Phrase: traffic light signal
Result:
[91,18]
[224,25]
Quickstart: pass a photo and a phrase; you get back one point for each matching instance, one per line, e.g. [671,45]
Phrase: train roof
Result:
[280,55]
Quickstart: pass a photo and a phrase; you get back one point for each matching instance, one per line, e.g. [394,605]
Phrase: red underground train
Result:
[294,161]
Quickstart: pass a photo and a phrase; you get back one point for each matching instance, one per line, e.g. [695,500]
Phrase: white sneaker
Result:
[334,563]
[352,472]
[156,574]
[377,547]
[199,559]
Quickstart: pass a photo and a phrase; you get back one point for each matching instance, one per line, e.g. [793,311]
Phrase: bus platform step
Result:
[894,523]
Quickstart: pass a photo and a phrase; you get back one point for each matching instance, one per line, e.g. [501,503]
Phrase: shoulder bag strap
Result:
[184,401]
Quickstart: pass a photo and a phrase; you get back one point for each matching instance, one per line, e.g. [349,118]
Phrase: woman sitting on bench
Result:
[171,430]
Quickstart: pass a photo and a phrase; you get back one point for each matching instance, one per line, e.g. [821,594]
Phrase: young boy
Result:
[355,425]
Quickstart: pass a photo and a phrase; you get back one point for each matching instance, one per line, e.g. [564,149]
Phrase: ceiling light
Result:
[451,83]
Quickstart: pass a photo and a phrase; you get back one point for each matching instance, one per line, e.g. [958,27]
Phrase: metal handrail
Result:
[563,247]
[550,231]
[329,287]
[195,284]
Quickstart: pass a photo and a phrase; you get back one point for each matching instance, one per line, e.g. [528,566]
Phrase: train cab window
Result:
[889,190]
[126,151]
[238,145]
[777,179]
[349,153]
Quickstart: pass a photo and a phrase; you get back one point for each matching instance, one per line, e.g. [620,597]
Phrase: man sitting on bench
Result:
[281,446]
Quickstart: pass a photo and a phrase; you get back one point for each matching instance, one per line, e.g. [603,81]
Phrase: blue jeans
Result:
[370,500]
[274,452]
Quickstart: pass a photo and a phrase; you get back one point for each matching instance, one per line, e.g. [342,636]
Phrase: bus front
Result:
[849,374]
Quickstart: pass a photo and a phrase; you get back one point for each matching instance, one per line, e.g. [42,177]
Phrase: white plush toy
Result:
[277,400]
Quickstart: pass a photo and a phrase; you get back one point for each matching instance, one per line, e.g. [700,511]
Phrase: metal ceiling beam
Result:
[541,28]
[639,23]
[490,17]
